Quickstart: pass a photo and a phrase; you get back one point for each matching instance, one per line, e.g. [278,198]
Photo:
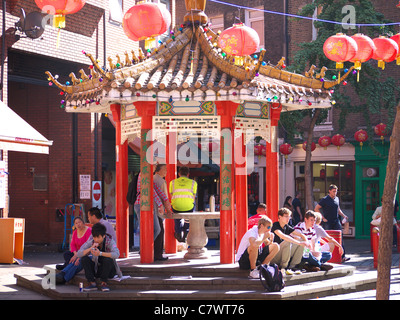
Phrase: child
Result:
[101,263]
[250,251]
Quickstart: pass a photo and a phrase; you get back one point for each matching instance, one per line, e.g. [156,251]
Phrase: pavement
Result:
[35,257]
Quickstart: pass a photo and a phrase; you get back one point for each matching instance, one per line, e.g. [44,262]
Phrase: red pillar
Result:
[121,185]
[170,155]
[226,109]
[241,188]
[146,111]
[272,164]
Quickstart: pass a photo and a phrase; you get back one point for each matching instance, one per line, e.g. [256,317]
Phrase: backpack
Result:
[132,190]
[271,278]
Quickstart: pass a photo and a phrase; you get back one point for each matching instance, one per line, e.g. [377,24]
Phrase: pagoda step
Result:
[310,290]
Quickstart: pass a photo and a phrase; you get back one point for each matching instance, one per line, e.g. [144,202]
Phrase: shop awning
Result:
[18,135]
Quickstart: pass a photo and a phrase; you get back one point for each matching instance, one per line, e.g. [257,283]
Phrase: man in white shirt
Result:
[250,249]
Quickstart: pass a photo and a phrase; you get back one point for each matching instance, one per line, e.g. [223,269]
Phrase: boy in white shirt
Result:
[250,250]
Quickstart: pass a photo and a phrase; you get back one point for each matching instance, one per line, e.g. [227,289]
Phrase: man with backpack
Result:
[251,250]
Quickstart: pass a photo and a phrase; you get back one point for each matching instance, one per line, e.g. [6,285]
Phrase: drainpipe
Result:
[3,50]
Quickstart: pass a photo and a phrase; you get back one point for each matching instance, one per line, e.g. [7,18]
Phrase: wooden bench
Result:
[197,236]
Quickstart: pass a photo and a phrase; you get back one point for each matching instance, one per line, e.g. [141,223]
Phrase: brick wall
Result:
[26,91]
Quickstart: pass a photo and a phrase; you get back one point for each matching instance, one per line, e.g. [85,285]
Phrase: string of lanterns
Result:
[338,140]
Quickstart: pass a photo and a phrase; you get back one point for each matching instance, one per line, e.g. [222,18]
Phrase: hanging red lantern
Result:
[324,141]
[336,173]
[386,51]
[380,130]
[285,149]
[239,41]
[365,51]
[322,173]
[361,136]
[398,5]
[348,173]
[60,8]
[313,146]
[396,38]
[340,48]
[145,21]
[338,140]
[257,149]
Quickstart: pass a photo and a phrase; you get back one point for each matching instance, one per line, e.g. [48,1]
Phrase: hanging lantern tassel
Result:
[381,64]
[150,43]
[59,23]
[339,65]
[239,61]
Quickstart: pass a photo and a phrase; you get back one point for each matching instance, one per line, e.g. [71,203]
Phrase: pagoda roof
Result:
[188,67]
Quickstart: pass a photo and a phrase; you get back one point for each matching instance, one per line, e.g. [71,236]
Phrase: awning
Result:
[18,135]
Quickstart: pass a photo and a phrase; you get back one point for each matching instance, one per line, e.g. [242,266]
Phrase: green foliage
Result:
[375,91]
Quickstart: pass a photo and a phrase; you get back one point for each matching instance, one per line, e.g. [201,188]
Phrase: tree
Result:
[372,94]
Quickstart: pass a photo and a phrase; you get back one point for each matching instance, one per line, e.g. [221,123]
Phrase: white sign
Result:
[2,184]
[96,194]
[84,180]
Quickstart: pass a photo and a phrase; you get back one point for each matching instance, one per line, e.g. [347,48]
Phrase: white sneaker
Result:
[254,274]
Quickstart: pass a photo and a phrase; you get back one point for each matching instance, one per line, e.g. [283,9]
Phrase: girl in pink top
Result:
[73,266]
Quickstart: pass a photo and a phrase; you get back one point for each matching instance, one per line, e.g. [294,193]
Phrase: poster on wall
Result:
[3,174]
[109,193]
[84,189]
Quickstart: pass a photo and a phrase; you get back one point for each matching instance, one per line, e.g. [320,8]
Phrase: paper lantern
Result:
[239,41]
[338,140]
[285,149]
[380,130]
[340,48]
[60,8]
[145,21]
[324,141]
[386,51]
[396,38]
[322,173]
[365,49]
[313,146]
[257,149]
[361,136]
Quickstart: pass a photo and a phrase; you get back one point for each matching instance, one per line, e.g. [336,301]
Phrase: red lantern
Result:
[336,173]
[386,51]
[60,8]
[322,173]
[338,140]
[340,48]
[324,141]
[396,38]
[258,149]
[313,146]
[348,173]
[145,21]
[286,149]
[380,130]
[361,136]
[398,5]
[366,48]
[239,41]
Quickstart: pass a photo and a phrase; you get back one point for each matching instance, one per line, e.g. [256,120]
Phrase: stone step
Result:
[311,290]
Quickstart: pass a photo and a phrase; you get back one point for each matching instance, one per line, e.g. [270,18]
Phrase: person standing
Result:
[296,204]
[331,212]
[159,175]
[183,193]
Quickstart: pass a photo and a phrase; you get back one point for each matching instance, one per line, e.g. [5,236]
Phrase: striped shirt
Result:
[309,233]
[159,195]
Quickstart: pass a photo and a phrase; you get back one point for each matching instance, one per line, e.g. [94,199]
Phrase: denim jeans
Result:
[71,270]
[312,261]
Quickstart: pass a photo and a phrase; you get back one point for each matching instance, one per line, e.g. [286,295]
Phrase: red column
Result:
[241,188]
[121,185]
[276,110]
[170,155]
[226,109]
[146,111]
[268,180]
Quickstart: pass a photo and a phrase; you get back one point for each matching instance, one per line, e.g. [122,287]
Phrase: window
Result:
[217,23]
[116,11]
[255,19]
